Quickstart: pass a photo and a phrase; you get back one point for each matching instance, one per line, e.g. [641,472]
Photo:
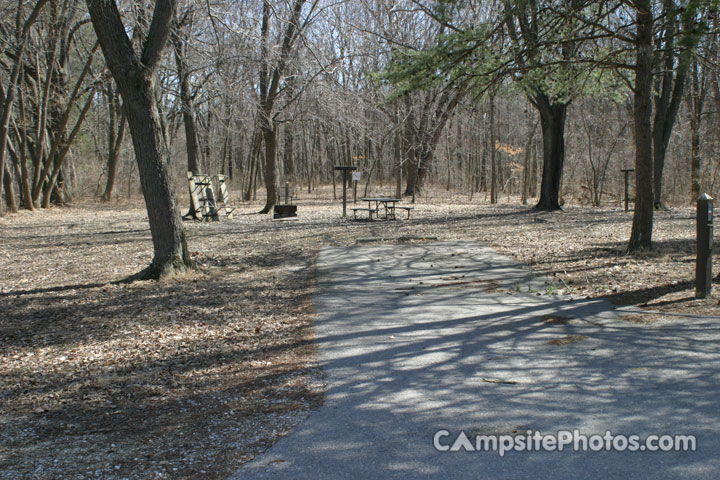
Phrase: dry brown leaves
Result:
[190,377]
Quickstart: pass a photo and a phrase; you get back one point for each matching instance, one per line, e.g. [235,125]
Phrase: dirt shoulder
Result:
[188,378]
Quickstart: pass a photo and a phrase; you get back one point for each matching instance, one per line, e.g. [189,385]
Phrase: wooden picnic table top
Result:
[380,199]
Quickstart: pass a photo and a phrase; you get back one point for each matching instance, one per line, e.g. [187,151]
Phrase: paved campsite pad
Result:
[419,338]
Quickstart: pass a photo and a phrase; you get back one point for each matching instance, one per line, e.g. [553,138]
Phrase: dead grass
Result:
[567,340]
[190,377]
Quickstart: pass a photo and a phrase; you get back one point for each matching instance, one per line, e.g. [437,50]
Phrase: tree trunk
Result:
[641,235]
[62,155]
[114,158]
[695,161]
[526,164]
[427,154]
[186,105]
[665,116]
[135,78]
[168,235]
[21,157]
[10,202]
[25,183]
[397,156]
[270,140]
[493,154]
[111,176]
[670,91]
[552,121]
[696,104]
[484,158]
[289,152]
[532,191]
[253,153]
[59,120]
[191,137]
[412,173]
[408,145]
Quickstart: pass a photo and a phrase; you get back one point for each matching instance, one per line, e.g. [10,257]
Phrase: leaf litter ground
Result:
[191,377]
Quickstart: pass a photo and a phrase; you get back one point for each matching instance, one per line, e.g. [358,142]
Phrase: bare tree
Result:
[180,38]
[641,234]
[135,77]
[674,51]
[115,134]
[7,94]
[272,69]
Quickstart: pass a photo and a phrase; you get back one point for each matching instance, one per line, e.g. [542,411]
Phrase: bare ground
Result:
[191,377]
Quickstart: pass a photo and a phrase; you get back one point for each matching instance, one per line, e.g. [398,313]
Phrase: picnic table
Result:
[387,204]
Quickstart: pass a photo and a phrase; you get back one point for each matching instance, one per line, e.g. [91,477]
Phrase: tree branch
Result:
[158,34]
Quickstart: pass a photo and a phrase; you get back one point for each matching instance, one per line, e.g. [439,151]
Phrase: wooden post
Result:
[344,193]
[345,169]
[703,265]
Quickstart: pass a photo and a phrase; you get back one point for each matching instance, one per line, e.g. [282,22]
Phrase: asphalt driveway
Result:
[425,345]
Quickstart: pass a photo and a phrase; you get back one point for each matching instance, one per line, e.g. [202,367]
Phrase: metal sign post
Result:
[345,169]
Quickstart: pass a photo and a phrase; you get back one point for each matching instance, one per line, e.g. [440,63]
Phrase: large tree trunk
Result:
[427,154]
[641,235]
[552,121]
[411,187]
[191,137]
[424,136]
[408,146]
[170,248]
[135,78]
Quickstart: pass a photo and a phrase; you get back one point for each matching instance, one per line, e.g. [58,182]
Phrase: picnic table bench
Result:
[369,210]
[402,207]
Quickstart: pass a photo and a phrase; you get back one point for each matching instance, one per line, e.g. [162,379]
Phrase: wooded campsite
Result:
[144,345]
